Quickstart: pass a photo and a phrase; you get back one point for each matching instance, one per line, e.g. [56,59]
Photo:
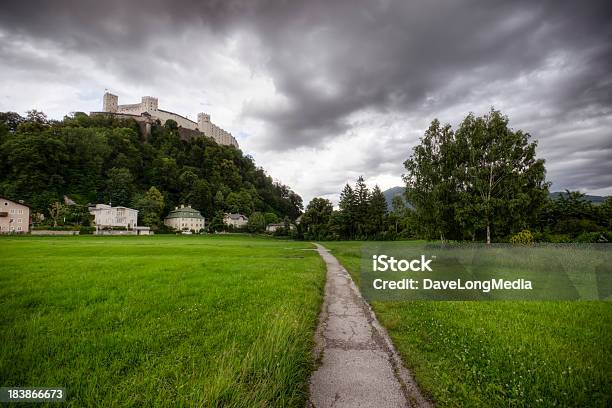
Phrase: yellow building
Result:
[185,218]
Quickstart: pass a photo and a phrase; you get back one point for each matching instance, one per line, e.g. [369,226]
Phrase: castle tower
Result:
[110,102]
[204,124]
[149,104]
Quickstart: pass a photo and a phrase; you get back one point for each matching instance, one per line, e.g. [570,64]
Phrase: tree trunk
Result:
[488,234]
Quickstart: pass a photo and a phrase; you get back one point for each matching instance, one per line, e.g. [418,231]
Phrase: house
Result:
[274,227]
[185,218]
[106,216]
[14,217]
[235,220]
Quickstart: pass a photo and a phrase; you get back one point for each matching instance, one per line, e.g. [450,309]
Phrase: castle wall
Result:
[149,105]
[163,116]
[132,109]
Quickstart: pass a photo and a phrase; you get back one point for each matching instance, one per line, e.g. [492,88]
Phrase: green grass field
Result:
[500,353]
[160,321]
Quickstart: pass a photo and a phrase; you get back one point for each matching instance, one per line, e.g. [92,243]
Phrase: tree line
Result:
[103,159]
[480,182]
[362,214]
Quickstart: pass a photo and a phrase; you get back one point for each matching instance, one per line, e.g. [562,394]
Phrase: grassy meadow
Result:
[160,321]
[500,353]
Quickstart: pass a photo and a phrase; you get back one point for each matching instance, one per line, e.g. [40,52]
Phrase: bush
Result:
[575,227]
[594,237]
[559,238]
[86,230]
[524,237]
[58,228]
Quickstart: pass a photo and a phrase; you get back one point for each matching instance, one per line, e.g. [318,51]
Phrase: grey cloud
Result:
[331,60]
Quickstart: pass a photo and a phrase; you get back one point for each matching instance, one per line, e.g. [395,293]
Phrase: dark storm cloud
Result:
[330,61]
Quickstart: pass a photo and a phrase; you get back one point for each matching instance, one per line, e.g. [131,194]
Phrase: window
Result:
[19,221]
[19,228]
[20,211]
[12,211]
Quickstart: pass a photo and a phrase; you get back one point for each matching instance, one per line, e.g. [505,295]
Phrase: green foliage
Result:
[316,218]
[86,230]
[216,224]
[106,159]
[57,228]
[524,237]
[595,237]
[119,186]
[150,207]
[271,218]
[362,215]
[257,222]
[483,181]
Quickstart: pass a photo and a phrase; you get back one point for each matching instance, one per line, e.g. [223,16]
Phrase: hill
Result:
[398,190]
[592,198]
[392,192]
[100,159]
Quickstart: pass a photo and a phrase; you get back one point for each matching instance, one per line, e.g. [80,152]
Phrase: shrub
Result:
[58,228]
[594,237]
[559,238]
[524,237]
[86,230]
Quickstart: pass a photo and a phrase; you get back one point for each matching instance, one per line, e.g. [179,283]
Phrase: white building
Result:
[14,217]
[185,218]
[107,216]
[235,220]
[274,227]
[149,105]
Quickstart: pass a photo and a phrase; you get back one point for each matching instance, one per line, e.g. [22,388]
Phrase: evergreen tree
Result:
[377,213]
[347,207]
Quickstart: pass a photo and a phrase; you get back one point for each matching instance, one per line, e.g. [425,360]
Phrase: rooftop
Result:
[185,212]
[235,216]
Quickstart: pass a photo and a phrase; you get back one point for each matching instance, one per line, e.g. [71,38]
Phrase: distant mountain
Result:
[592,198]
[392,192]
[395,191]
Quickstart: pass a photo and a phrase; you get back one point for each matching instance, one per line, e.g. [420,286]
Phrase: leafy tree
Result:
[485,178]
[78,215]
[216,224]
[106,158]
[171,125]
[57,210]
[11,120]
[430,184]
[150,206]
[219,200]
[119,186]
[501,183]
[272,218]
[257,222]
[316,218]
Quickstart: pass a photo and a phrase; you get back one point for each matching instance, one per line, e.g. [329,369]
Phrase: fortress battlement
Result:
[148,108]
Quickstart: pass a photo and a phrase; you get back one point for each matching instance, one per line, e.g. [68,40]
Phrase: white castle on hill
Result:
[148,107]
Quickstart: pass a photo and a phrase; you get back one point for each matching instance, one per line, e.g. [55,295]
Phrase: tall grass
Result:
[500,353]
[160,321]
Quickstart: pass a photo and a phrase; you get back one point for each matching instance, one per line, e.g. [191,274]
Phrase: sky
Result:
[320,92]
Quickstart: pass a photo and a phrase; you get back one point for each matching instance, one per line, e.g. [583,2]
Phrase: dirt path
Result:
[359,366]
